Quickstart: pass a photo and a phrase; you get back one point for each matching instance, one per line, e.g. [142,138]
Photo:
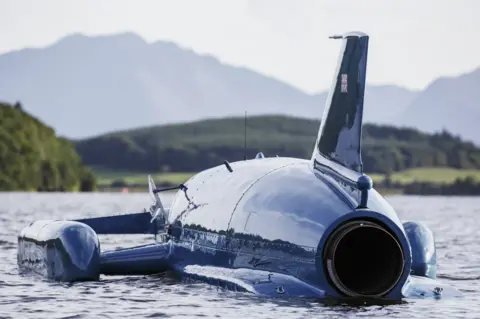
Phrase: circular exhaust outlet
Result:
[363,259]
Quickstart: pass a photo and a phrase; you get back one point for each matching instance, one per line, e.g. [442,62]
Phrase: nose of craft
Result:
[60,250]
[81,245]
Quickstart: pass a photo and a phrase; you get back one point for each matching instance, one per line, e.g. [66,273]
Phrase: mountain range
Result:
[85,86]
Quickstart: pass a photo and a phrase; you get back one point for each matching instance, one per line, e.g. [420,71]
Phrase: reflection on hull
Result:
[270,226]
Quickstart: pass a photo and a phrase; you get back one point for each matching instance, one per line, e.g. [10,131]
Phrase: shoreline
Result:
[466,185]
[383,192]
[416,181]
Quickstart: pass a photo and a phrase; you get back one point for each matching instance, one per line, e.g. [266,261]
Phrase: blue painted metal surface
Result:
[279,222]
[275,227]
[60,250]
[259,156]
[136,223]
[339,137]
[424,254]
[143,260]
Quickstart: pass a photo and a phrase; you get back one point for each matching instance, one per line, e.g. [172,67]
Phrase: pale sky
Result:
[412,42]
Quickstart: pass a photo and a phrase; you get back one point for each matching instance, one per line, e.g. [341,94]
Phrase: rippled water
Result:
[455,222]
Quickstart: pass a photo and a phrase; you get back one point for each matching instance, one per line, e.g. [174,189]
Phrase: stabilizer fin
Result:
[127,224]
[338,144]
[157,206]
[140,260]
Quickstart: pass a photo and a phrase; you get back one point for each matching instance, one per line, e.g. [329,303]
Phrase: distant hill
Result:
[452,103]
[84,86]
[202,144]
[33,158]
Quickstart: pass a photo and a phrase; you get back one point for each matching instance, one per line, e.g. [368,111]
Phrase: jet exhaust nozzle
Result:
[363,259]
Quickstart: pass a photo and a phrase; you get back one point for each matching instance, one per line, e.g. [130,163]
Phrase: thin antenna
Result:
[245,139]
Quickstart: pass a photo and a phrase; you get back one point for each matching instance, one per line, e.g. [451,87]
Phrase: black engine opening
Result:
[364,259]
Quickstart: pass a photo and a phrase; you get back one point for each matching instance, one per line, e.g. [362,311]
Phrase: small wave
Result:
[458,278]
[26,295]
[7,245]
[158,315]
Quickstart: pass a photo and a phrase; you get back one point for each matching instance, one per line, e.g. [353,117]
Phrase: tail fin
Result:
[338,143]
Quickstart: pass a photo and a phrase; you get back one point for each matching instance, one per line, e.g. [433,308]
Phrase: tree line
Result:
[192,147]
[33,158]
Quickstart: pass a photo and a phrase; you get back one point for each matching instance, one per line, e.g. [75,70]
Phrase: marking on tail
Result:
[338,145]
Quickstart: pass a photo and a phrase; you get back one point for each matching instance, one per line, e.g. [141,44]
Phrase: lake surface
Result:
[454,220]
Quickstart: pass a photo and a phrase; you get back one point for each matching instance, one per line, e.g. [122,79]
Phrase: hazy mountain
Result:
[83,86]
[448,103]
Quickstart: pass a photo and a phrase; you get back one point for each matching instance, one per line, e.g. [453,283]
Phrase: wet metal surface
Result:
[454,221]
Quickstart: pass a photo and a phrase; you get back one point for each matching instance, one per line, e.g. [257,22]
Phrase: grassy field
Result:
[434,175]
[106,177]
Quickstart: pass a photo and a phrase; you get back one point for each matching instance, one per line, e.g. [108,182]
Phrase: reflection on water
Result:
[454,221]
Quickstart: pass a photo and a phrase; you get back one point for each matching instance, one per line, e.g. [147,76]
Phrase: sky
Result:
[412,42]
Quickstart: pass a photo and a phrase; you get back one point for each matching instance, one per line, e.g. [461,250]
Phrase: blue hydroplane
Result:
[270,226]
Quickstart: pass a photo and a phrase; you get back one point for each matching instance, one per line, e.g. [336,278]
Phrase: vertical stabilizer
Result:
[338,145]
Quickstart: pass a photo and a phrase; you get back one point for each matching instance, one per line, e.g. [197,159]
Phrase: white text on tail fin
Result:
[338,143]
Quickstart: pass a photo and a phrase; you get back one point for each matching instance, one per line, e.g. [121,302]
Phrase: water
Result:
[454,221]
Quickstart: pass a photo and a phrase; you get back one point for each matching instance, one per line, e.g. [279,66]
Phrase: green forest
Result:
[192,147]
[33,158]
